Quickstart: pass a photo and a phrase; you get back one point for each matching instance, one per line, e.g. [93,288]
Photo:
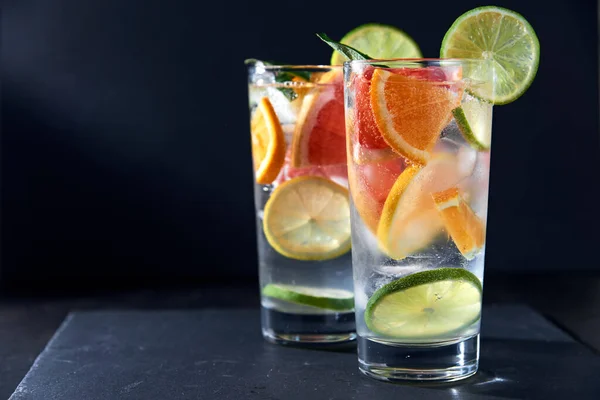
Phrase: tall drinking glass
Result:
[302,203]
[419,140]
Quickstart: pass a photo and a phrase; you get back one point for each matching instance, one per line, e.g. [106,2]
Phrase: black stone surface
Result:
[219,354]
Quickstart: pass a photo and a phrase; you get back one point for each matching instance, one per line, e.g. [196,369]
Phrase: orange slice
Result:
[268,143]
[411,113]
[409,221]
[320,133]
[464,226]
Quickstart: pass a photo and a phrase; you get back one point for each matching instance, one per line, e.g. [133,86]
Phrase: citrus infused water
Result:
[302,203]
[419,139]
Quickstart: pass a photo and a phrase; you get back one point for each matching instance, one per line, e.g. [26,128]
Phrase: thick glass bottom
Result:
[307,339]
[422,363]
[307,329]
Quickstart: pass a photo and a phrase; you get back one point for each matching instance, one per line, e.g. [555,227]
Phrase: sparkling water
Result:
[456,162]
[284,321]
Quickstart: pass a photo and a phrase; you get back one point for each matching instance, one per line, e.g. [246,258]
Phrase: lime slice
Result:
[503,36]
[428,304]
[474,119]
[378,41]
[331,299]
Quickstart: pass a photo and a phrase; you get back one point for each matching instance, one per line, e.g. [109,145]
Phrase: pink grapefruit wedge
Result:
[320,133]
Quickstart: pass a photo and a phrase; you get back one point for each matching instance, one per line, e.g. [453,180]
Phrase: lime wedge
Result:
[378,41]
[503,36]
[474,119]
[428,304]
[330,299]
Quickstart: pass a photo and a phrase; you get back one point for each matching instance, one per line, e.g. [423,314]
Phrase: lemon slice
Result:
[409,221]
[268,143]
[308,218]
[425,305]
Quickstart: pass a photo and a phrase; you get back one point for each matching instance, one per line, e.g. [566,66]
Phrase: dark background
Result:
[125,135]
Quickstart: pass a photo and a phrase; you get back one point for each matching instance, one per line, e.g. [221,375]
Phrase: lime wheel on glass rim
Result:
[506,39]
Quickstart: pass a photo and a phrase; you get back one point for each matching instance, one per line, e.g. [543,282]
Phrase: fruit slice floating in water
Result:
[465,227]
[320,134]
[362,155]
[371,184]
[329,299]
[367,133]
[474,119]
[409,221]
[378,41]
[358,151]
[410,113]
[308,218]
[502,36]
[268,143]
[448,75]
[338,173]
[425,305]
[368,136]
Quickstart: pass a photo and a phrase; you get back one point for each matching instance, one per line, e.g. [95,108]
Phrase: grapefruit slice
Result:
[359,151]
[464,226]
[409,220]
[320,133]
[411,112]
[368,135]
[337,173]
[370,184]
[268,143]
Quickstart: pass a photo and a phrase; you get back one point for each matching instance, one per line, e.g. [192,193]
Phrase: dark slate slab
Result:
[220,354]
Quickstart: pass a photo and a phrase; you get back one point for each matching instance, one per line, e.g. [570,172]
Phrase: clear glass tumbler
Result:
[418,138]
[302,203]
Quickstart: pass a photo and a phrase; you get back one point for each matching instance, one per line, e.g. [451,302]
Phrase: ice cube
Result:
[467,158]
[288,132]
[285,109]
[396,271]
[261,75]
[255,93]
[451,139]
[476,186]
[340,180]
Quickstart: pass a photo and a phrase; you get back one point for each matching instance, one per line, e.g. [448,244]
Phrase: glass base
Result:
[421,363]
[307,329]
[306,338]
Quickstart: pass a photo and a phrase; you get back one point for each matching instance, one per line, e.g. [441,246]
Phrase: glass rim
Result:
[287,67]
[400,61]
[304,66]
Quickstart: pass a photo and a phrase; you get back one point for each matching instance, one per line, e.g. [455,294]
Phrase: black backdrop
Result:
[125,144]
